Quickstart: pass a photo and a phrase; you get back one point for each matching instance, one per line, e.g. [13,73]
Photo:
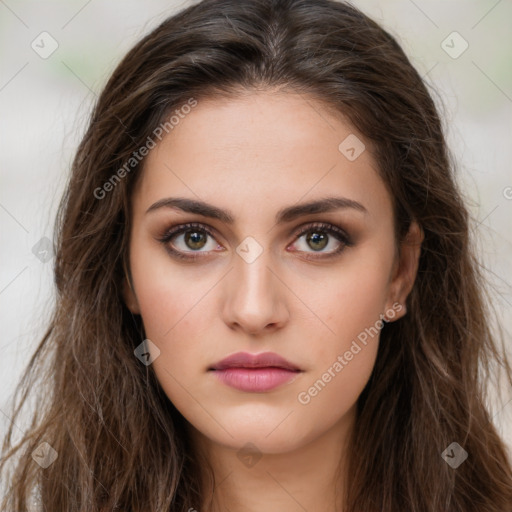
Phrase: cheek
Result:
[333,392]
[170,302]
[165,292]
[344,360]
[351,304]
[355,296]
[173,309]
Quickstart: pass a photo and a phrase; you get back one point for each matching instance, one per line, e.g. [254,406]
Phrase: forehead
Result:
[259,152]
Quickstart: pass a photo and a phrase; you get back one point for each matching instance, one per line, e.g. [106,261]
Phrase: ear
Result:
[129,296]
[405,270]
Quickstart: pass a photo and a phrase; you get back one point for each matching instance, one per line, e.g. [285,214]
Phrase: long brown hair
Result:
[119,441]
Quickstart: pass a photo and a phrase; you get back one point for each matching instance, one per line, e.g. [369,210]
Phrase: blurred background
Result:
[56,56]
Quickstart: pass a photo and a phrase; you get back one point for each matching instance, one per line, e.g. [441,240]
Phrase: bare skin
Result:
[255,156]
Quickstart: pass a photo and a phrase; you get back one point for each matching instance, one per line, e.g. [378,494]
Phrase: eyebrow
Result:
[287,214]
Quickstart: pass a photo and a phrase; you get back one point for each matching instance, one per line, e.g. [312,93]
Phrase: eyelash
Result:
[323,227]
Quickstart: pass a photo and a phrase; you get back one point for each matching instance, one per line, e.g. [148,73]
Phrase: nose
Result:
[255,297]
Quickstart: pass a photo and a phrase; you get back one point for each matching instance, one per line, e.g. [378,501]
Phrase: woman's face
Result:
[253,283]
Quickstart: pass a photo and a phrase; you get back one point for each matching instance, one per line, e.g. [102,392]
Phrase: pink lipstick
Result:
[255,373]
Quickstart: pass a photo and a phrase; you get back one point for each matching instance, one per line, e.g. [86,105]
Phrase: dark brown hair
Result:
[121,444]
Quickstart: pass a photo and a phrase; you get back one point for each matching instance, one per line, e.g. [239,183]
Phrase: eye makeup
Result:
[323,229]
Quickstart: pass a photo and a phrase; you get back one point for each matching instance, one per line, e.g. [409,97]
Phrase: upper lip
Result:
[247,360]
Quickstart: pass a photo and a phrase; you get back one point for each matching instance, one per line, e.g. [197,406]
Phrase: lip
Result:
[247,360]
[255,372]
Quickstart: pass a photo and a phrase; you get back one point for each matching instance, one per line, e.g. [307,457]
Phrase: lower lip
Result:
[255,379]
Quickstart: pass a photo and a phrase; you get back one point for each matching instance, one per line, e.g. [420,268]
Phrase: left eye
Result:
[320,235]
[194,238]
[318,240]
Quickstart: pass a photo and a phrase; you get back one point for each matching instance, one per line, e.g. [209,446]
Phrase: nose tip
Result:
[256,302]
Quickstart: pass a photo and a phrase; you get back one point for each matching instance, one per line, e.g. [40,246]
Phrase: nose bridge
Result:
[255,297]
[253,276]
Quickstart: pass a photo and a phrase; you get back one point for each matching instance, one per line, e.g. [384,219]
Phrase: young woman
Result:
[267,294]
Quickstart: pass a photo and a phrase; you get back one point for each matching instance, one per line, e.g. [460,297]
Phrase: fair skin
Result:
[254,156]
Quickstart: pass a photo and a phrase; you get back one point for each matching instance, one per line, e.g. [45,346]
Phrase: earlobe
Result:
[406,268]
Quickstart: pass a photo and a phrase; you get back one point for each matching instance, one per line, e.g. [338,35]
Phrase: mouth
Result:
[255,372]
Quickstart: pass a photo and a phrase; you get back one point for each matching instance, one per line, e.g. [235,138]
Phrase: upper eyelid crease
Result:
[287,214]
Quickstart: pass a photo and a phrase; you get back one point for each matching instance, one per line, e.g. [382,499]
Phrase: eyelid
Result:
[178,229]
[332,229]
[323,226]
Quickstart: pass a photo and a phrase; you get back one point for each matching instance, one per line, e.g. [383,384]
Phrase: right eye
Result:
[192,237]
